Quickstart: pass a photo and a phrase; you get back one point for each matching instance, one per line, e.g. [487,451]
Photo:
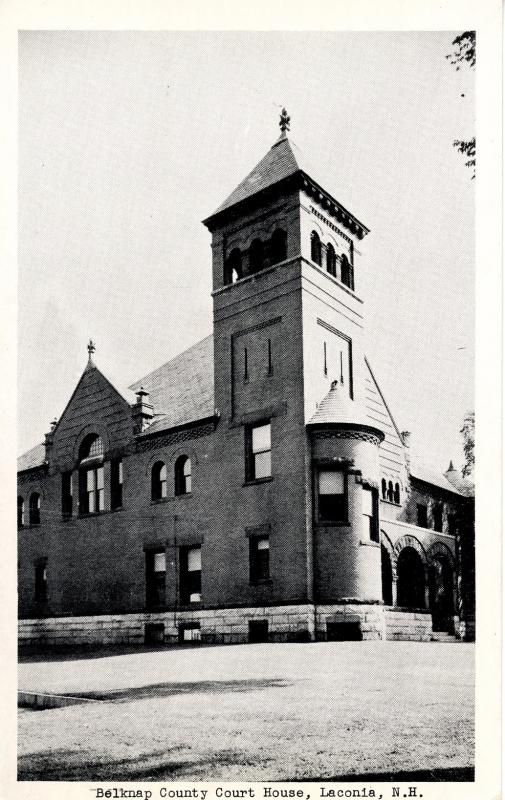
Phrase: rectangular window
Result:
[190,632]
[370,514]
[116,483]
[156,570]
[422,515]
[92,491]
[41,583]
[332,496]
[259,558]
[66,494]
[191,574]
[259,452]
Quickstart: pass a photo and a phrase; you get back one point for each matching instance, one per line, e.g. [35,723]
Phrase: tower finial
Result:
[284,121]
[91,348]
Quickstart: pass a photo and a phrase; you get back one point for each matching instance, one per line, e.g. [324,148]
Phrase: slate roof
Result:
[32,458]
[182,390]
[338,408]
[283,160]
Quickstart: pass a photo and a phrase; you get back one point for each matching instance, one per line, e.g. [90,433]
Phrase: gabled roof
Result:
[32,458]
[283,160]
[182,390]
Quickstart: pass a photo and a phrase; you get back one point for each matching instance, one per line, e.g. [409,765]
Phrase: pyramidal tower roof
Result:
[284,160]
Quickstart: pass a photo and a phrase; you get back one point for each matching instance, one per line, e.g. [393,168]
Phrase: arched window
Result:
[331,260]
[384,489]
[159,481]
[390,491]
[278,246]
[347,272]
[233,267]
[35,508]
[21,512]
[256,256]
[183,475]
[91,479]
[397,494]
[315,248]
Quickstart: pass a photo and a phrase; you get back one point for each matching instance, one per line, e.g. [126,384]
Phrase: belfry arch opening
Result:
[411,580]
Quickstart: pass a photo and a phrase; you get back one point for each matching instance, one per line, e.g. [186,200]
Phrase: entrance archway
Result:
[411,581]
[387,577]
[441,592]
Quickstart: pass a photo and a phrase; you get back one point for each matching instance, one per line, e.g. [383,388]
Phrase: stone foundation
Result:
[408,626]
[296,623]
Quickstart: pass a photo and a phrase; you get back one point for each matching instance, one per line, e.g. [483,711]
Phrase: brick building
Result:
[256,486]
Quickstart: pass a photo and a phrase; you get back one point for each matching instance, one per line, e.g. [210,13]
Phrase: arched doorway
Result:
[387,577]
[411,584]
[441,586]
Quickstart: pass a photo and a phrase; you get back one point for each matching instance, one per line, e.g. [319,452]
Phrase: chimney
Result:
[142,411]
[49,439]
[406,443]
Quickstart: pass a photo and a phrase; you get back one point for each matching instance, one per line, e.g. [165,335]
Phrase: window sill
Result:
[157,500]
[256,481]
[183,494]
[328,523]
[390,502]
[369,543]
[262,582]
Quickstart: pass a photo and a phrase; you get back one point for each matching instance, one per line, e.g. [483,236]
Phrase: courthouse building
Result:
[257,486]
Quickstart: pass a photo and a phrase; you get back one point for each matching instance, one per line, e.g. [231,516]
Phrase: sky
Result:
[127,140]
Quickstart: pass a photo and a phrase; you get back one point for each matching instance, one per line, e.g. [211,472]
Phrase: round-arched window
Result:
[183,475]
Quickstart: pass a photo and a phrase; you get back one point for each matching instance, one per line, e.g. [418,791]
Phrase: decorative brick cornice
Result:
[353,433]
[169,438]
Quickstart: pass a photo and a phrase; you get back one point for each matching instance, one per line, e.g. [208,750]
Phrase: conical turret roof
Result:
[337,408]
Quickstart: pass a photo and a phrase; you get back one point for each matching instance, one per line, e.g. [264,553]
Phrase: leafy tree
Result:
[468,433]
[464,53]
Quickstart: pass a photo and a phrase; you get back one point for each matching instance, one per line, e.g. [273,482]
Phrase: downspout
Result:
[309,536]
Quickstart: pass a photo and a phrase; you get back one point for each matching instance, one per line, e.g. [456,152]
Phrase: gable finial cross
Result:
[91,348]
[284,121]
